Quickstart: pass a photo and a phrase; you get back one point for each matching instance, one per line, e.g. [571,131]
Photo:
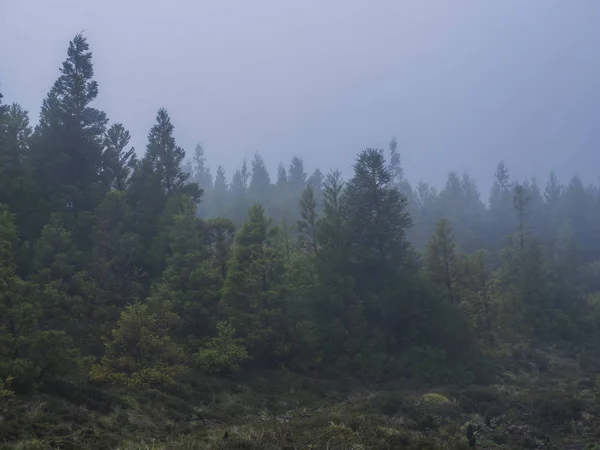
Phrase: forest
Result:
[149,301]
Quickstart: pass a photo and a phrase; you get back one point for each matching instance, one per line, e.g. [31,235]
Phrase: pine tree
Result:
[15,134]
[316,183]
[259,190]
[475,284]
[296,176]
[220,232]
[220,193]
[253,292]
[331,230]
[140,351]
[339,314]
[520,202]
[377,220]
[66,151]
[239,196]
[28,354]
[200,174]
[440,259]
[117,159]
[191,280]
[19,308]
[307,225]
[116,255]
[66,288]
[166,158]
[147,200]
[500,215]
[282,179]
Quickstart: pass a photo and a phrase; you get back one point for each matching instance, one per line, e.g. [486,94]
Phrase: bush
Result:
[224,353]
[555,408]
[5,391]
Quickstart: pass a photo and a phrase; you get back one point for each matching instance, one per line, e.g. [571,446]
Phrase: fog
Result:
[461,87]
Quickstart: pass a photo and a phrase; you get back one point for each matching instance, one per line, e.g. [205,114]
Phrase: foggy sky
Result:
[462,84]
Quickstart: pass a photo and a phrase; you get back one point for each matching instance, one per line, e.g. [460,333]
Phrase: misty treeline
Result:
[119,268]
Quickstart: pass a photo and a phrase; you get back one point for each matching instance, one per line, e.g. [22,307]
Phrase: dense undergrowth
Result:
[541,399]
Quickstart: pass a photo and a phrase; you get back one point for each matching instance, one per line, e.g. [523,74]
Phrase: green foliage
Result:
[253,290]
[224,353]
[110,266]
[440,259]
[5,391]
[140,350]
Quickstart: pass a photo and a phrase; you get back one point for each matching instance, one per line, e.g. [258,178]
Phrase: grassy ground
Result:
[543,400]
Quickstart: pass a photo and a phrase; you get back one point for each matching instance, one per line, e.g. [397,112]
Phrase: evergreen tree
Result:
[65,286]
[220,193]
[117,159]
[500,215]
[282,179]
[66,151]
[141,351]
[259,190]
[191,280]
[440,259]
[220,232]
[238,195]
[296,176]
[316,183]
[28,354]
[377,221]
[166,158]
[253,292]
[116,255]
[307,225]
[201,175]
[15,134]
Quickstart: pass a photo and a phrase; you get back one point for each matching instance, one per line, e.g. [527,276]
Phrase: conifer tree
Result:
[220,232]
[377,221]
[166,158]
[66,287]
[316,183]
[239,196]
[116,255]
[200,174]
[307,225]
[259,190]
[296,176]
[117,159]
[440,259]
[191,280]
[15,134]
[220,193]
[282,179]
[66,151]
[253,292]
[140,351]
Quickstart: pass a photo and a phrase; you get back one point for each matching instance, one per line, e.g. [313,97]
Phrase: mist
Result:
[462,87]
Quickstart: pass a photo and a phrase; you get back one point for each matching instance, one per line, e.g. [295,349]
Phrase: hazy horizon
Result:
[460,87]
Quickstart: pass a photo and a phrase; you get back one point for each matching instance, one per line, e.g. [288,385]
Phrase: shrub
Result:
[434,399]
[224,353]
[5,391]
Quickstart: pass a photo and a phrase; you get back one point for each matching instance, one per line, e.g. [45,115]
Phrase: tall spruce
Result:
[66,151]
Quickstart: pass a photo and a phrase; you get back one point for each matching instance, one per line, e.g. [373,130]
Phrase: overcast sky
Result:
[462,84]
